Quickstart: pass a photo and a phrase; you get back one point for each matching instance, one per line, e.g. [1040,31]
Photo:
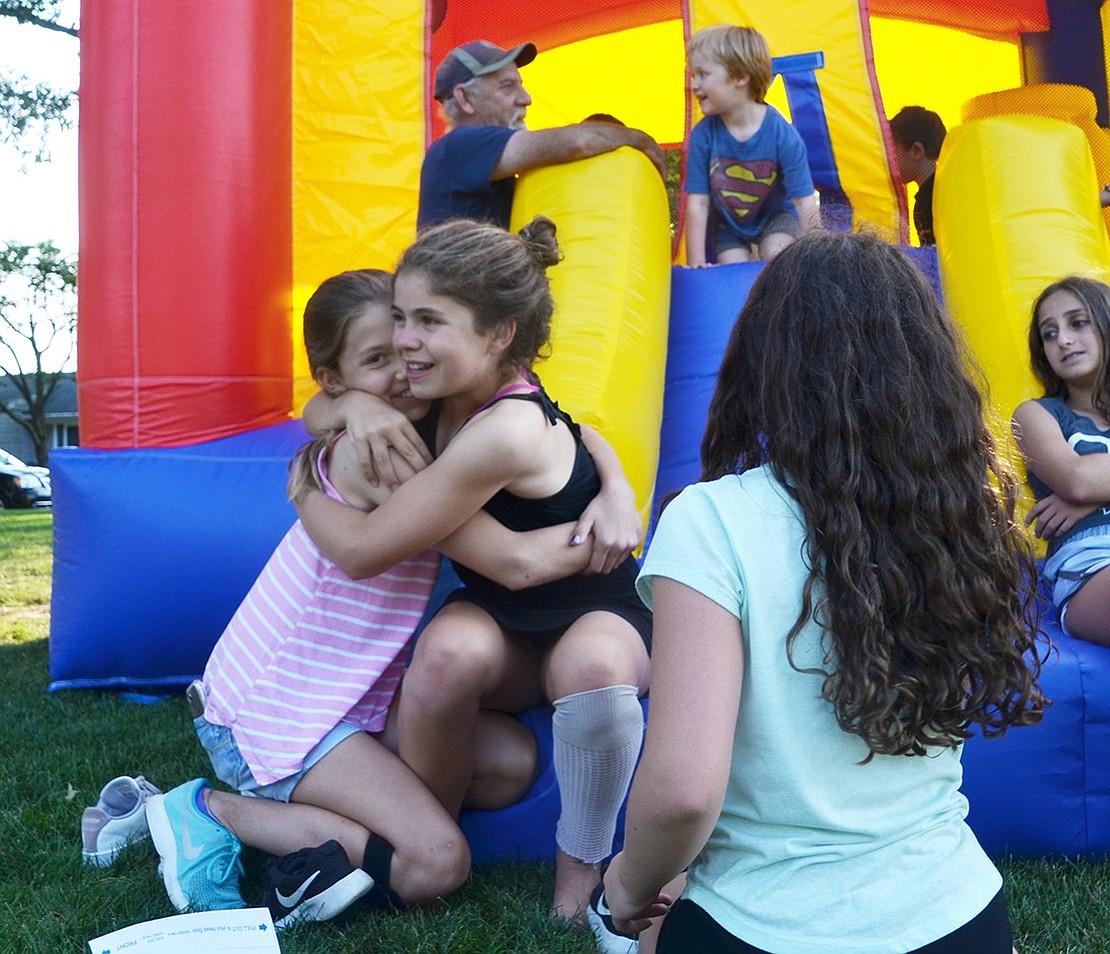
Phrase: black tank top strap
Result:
[516,387]
[550,408]
[537,395]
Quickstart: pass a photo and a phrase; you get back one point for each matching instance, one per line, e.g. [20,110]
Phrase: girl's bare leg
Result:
[506,760]
[1087,615]
[463,664]
[279,828]
[357,789]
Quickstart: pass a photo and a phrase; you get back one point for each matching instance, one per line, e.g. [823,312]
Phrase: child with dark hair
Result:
[918,134]
[1065,440]
[838,604]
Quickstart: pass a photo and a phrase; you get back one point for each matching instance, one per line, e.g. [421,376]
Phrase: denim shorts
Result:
[232,769]
[783,222]
[1074,563]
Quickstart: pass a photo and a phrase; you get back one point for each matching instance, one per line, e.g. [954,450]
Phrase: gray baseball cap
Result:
[477,58]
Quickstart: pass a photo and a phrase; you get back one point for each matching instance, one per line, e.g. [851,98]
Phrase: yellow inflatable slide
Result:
[612,300]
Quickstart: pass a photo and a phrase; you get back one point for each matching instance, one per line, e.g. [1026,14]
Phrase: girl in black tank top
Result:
[472,311]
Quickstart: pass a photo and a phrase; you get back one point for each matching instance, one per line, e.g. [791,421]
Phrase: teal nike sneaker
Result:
[200,863]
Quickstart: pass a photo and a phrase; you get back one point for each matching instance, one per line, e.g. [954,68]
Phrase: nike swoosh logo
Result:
[603,907]
[295,898]
[189,848]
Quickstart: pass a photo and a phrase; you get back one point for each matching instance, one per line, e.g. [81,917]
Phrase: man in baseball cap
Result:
[470,171]
[477,58]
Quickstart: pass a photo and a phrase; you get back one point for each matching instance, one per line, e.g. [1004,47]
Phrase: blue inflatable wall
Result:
[704,306]
[1045,790]
[155,549]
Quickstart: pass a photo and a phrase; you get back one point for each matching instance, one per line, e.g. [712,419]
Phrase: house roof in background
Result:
[63,400]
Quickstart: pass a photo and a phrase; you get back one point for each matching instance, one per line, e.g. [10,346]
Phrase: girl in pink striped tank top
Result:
[296,707]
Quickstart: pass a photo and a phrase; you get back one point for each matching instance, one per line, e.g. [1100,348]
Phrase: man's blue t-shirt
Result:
[749,182]
[455,178]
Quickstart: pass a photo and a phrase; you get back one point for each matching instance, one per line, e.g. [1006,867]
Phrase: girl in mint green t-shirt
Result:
[837,606]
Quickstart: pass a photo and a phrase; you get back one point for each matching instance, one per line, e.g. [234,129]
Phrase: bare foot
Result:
[574,880]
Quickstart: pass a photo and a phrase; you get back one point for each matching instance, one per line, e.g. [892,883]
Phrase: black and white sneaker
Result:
[609,939]
[313,884]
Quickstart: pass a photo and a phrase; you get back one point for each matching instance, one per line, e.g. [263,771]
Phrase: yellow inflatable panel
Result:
[612,299]
[1015,208]
[1073,104]
[358,142]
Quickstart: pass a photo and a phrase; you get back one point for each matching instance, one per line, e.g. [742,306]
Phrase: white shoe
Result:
[609,941]
[117,819]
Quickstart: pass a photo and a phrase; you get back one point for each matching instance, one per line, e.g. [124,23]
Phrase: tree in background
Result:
[38,283]
[29,111]
[38,316]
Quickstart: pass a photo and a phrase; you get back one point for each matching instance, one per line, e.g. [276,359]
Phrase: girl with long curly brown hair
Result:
[838,604]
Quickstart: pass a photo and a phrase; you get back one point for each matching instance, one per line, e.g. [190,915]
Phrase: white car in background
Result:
[23,485]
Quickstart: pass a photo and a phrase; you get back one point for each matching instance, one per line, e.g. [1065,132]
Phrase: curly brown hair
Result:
[844,376]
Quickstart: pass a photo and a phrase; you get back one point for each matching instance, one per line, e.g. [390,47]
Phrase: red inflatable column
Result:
[185,201]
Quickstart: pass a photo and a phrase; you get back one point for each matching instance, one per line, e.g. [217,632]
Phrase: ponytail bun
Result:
[538,237]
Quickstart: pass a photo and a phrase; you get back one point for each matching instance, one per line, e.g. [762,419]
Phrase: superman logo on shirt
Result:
[742,187]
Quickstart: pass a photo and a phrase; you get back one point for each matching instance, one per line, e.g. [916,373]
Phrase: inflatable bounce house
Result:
[236,153]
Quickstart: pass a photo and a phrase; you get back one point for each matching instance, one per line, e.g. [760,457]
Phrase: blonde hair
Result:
[304,470]
[742,51]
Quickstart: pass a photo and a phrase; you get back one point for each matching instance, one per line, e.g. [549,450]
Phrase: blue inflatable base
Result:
[1045,789]
[155,549]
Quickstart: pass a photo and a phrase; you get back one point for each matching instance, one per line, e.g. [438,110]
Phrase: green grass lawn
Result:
[60,749]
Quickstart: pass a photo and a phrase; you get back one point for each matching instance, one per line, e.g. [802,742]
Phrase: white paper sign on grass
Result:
[213,932]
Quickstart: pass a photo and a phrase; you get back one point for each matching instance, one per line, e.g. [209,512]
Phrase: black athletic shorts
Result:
[689,928]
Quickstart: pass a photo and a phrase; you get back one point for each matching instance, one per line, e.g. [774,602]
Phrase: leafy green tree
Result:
[29,111]
[38,315]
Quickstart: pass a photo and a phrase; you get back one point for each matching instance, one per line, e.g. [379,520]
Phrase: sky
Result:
[38,201]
